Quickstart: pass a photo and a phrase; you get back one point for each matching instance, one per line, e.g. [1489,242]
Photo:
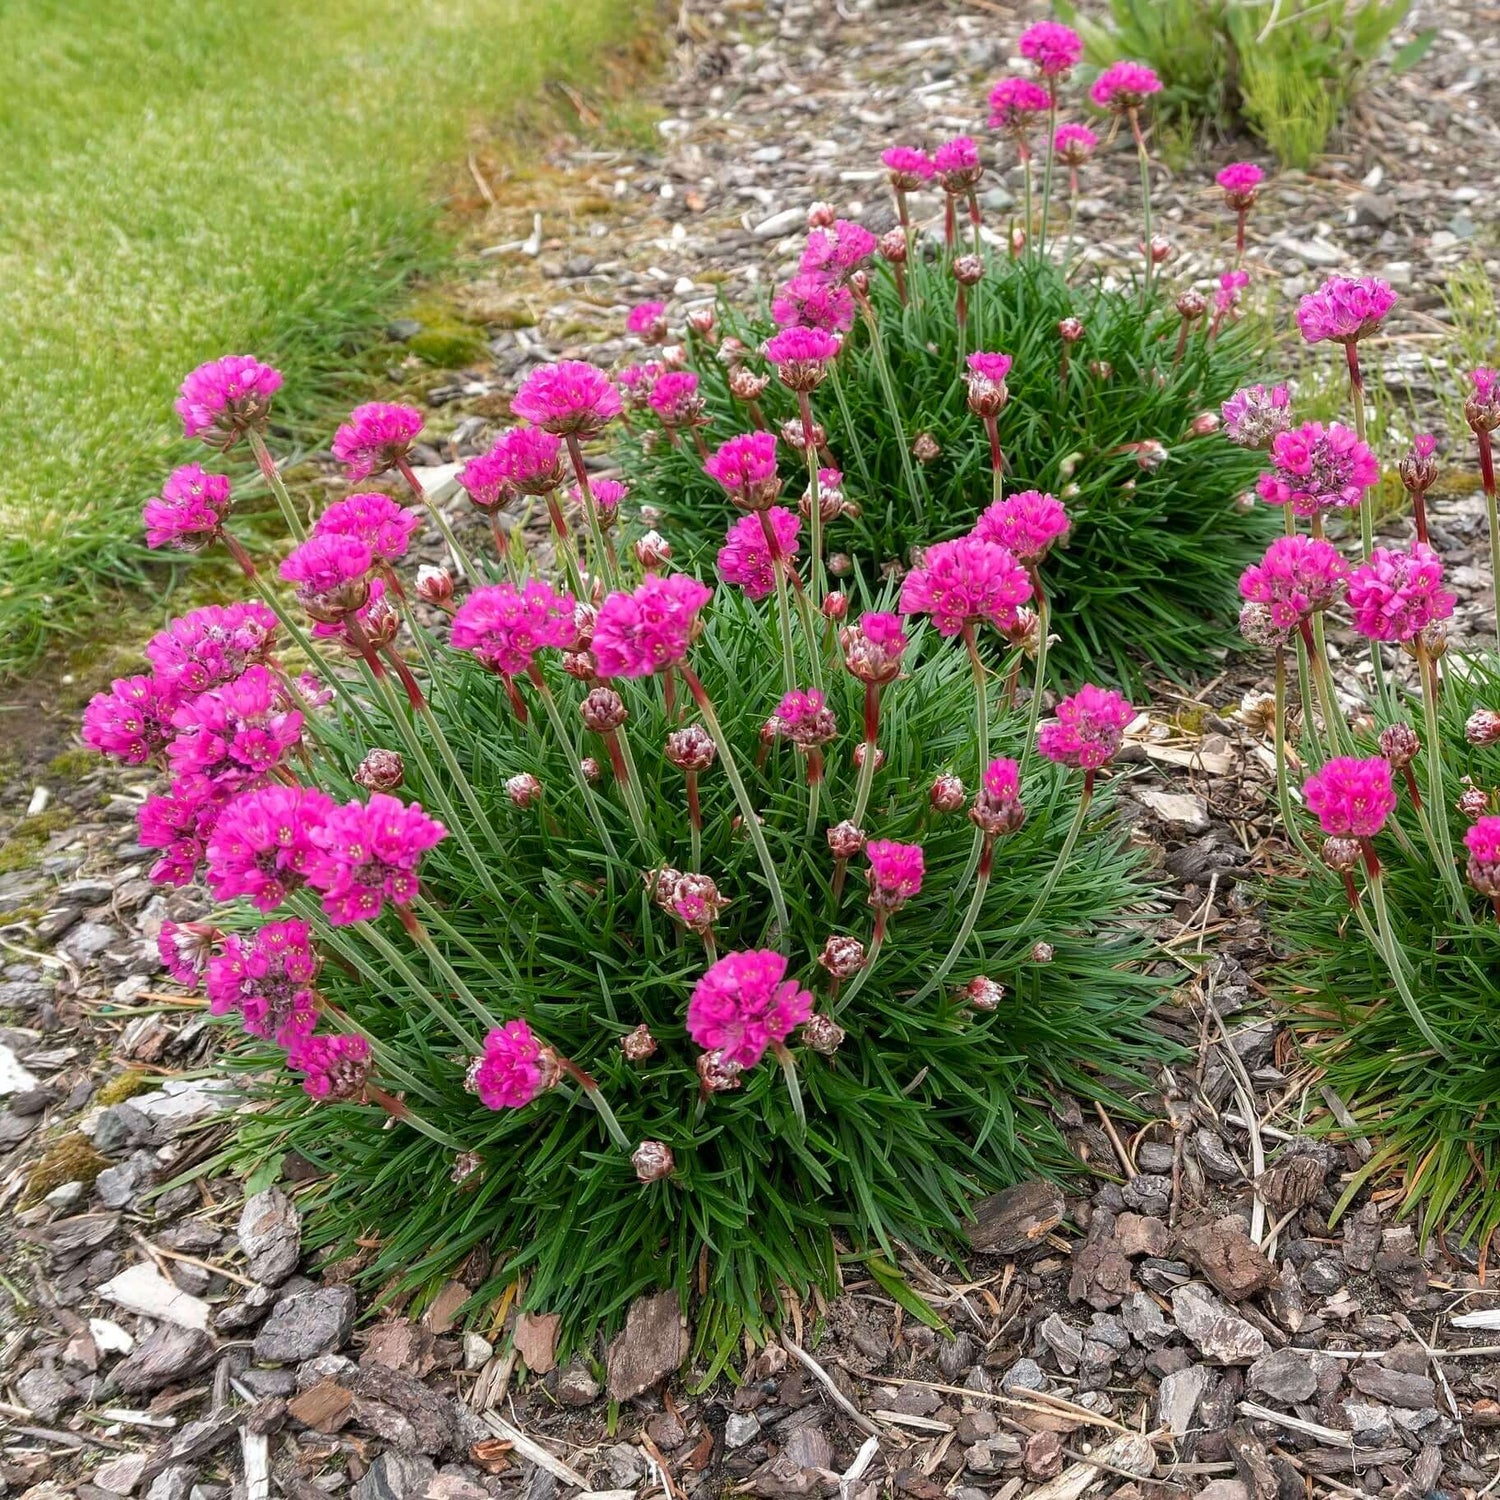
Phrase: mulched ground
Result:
[1195,1328]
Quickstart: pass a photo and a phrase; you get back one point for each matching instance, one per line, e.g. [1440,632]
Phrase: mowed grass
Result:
[182,180]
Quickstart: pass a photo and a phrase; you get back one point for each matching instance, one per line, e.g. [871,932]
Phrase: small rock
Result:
[1183,810]
[1362,1238]
[1028,1375]
[1224,1489]
[143,1289]
[45,1393]
[1144,1320]
[1286,1376]
[166,1355]
[1322,1277]
[1395,1387]
[1100,1275]
[396,1476]
[1178,1397]
[121,1475]
[1149,1193]
[305,1325]
[174,1483]
[1219,1334]
[741,1428]
[576,1386]
[477,1351]
[650,1347]
[270,1235]
[1043,1455]
[625,1464]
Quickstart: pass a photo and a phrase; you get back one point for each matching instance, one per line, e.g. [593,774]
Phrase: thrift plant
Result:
[1393,925]
[959,364]
[646,931]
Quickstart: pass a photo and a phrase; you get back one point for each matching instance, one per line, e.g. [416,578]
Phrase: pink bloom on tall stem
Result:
[1226,299]
[804,718]
[1124,86]
[1351,796]
[368,853]
[909,168]
[1254,416]
[1027,524]
[570,398]
[1483,843]
[262,844]
[1297,576]
[331,574]
[801,356]
[179,824]
[745,558]
[225,398]
[1318,468]
[1241,182]
[190,512]
[957,164]
[1088,730]
[895,874]
[240,728]
[675,399]
[336,1067]
[1015,103]
[813,302]
[1053,48]
[639,633]
[873,647]
[374,519]
[504,627]
[486,479]
[1074,144]
[1396,595]
[745,1004]
[377,437]
[649,320]
[1345,309]
[515,1069]
[968,581]
[997,808]
[746,467]
[131,722]
[267,977]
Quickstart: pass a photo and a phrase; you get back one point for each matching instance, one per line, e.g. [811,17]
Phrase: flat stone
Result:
[1026,1375]
[742,1427]
[576,1386]
[1395,1387]
[270,1235]
[396,1476]
[45,1393]
[650,1347]
[14,1079]
[305,1325]
[1144,1320]
[1219,1334]
[1182,810]
[1229,1258]
[1178,1397]
[121,1475]
[168,1354]
[142,1289]
[175,1483]
[1285,1375]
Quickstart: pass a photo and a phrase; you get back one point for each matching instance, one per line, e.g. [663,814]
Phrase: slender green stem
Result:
[982,739]
[836,380]
[635,801]
[784,615]
[1039,682]
[423,939]
[1390,951]
[1283,792]
[402,1112]
[916,487]
[817,581]
[460,554]
[604,559]
[1047,170]
[748,814]
[461,781]
[607,1115]
[570,751]
[810,631]
[1333,720]
[1492,511]
[1366,509]
[1067,259]
[1063,854]
[1437,799]
[1145,164]
[397,960]
[272,476]
[1026,178]
[877,942]
[965,930]
[814,793]
[793,1087]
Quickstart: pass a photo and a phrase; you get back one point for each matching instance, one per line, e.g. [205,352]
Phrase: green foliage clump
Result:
[1290,69]
[1436,1115]
[1149,572]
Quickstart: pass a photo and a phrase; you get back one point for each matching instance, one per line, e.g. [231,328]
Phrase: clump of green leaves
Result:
[1289,69]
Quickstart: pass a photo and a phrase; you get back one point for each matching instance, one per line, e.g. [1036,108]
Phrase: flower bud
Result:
[434,585]
[1473,801]
[860,751]
[835,606]
[653,551]
[822,216]
[1070,330]
[603,710]
[983,993]
[674,356]
[1399,744]
[652,1161]
[893,246]
[1161,249]
[925,448]
[465,1165]
[840,564]
[639,1044]
[380,771]
[731,351]
[523,790]
[843,956]
[845,840]
[1150,454]
[696,903]
[1434,638]
[1101,369]
[1204,424]
[717,1074]
[701,321]
[579,664]
[1483,727]
[1017,239]
[968,270]
[746,385]
[792,434]
[822,1033]
[1041,953]
[1418,467]
[691,749]
[1340,854]
[590,769]
[859,284]
[1192,305]
[947,794]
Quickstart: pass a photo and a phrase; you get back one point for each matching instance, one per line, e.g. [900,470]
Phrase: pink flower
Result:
[377,436]
[1396,595]
[515,1069]
[190,512]
[675,399]
[1026,524]
[1015,102]
[210,646]
[1241,181]
[570,397]
[184,949]
[1052,47]
[240,728]
[267,978]
[331,573]
[804,718]
[909,168]
[1483,843]
[813,302]
[486,479]
[965,582]
[262,845]
[336,1066]
[1254,416]
[957,164]
[1351,797]
[991,367]
[640,633]
[132,722]
[180,823]
[1088,729]
[1298,575]
[368,854]
[532,459]
[744,1004]
[801,356]
[635,381]
[997,810]
[505,627]
[377,618]
[1231,284]
[873,647]
[374,519]
[608,494]
[1124,86]
[895,873]
[745,558]
[746,467]
[649,319]
[1317,469]
[1074,144]
[835,255]
[1344,309]
[224,398]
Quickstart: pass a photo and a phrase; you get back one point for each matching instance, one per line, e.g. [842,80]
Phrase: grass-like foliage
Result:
[1105,422]
[1436,1113]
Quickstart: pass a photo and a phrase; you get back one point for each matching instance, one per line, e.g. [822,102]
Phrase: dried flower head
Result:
[843,956]
[652,1161]
[984,993]
[1418,467]
[823,1034]
[1399,744]
[845,840]
[947,794]
[1254,416]
[1483,727]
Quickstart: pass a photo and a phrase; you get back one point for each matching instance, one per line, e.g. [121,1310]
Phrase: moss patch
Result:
[29,836]
[69,1159]
[124,1086]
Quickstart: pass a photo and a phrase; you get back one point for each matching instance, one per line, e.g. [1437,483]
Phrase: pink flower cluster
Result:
[1351,796]
[895,873]
[1345,309]
[675,399]
[504,627]
[1015,103]
[131,722]
[1255,417]
[873,647]
[190,512]
[1483,843]
[1124,86]
[639,633]
[377,437]
[210,646]
[263,845]
[745,1004]
[1298,576]
[1088,730]
[1027,524]
[570,398]
[649,320]
[1241,182]
[368,853]
[1318,468]
[1053,48]
[331,573]
[235,732]
[909,168]
[267,978]
[804,718]
[745,558]
[834,255]
[374,519]
[957,164]
[224,398]
[1397,595]
[515,1068]
[811,301]
[1074,144]
[966,582]
[746,467]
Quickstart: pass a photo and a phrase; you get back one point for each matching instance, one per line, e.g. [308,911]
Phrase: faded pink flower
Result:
[1396,595]
[1027,524]
[190,512]
[262,844]
[368,854]
[184,949]
[966,582]
[649,320]
[570,397]
[377,436]
[223,399]
[1297,576]
[1124,86]
[336,1066]
[1351,797]
[675,399]
[744,1004]
[997,808]
[837,253]
[639,633]
[375,519]
[1231,284]
[131,722]
[895,873]
[1317,469]
[1344,309]
[1088,729]
[873,647]
[745,558]
[1053,48]
[1254,416]
[504,627]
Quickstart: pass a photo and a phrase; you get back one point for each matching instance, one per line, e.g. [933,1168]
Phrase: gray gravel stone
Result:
[305,1325]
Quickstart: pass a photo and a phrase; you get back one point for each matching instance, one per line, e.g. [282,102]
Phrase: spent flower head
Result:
[1255,417]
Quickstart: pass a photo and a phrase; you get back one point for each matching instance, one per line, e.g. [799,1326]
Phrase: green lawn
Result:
[182,180]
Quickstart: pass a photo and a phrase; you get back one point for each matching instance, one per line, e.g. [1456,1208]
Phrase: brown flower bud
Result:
[579,664]
[1473,801]
[653,551]
[434,585]
[1041,953]
[925,448]
[860,751]
[983,993]
[835,606]
[822,216]
[465,1165]
[1399,744]
[1418,467]
[1161,249]
[746,385]
[591,769]
[947,793]
[859,284]
[1070,330]
[731,351]
[1192,305]
[652,1161]
[822,1033]
[840,564]
[1205,424]
[639,1044]
[603,710]
[524,789]
[843,956]
[701,321]
[717,1074]
[1340,854]
[791,435]
[691,749]
[845,840]
[968,270]
[380,771]
[1483,727]
[893,246]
